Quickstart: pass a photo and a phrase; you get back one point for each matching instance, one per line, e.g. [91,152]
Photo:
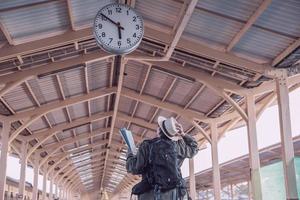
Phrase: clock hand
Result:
[119,31]
[117,24]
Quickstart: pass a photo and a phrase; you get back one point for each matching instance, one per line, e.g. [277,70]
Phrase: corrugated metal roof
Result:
[136,130]
[158,83]
[282,16]
[181,90]
[239,9]
[166,12]
[65,134]
[98,124]
[125,105]
[19,99]
[38,125]
[82,129]
[261,44]
[4,4]
[57,116]
[45,89]
[143,111]
[205,101]
[211,28]
[84,12]
[32,23]
[98,74]
[50,141]
[73,82]
[78,110]
[135,73]
[98,105]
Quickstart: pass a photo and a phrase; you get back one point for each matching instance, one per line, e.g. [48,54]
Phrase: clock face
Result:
[118,29]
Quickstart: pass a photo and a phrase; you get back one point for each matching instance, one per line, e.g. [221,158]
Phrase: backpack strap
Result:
[157,192]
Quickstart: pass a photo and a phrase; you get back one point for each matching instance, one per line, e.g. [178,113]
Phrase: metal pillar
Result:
[253,149]
[35,177]
[44,184]
[192,179]
[23,161]
[3,158]
[286,137]
[215,161]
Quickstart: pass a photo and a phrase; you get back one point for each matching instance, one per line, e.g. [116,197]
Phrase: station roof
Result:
[57,85]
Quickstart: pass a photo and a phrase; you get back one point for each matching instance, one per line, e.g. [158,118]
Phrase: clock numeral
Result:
[134,35]
[109,12]
[119,43]
[110,40]
[137,27]
[127,12]
[118,10]
[134,19]
[103,34]
[100,26]
[128,41]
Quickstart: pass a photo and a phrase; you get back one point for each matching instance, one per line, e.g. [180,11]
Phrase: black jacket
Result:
[137,164]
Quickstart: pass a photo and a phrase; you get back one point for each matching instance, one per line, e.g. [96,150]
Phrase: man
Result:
[169,132]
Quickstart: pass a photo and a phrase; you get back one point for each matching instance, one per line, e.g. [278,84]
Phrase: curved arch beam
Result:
[73,168]
[59,145]
[38,112]
[51,132]
[68,162]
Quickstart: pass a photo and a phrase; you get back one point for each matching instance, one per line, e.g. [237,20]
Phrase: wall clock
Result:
[118,28]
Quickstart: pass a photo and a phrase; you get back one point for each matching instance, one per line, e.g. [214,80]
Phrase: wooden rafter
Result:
[264,5]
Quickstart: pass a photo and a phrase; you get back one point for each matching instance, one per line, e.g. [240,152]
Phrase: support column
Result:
[231,192]
[3,158]
[215,161]
[192,179]
[23,160]
[60,193]
[286,137]
[35,176]
[44,184]
[56,191]
[249,191]
[51,188]
[253,149]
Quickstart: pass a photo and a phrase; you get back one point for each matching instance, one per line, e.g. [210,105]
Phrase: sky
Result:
[234,144]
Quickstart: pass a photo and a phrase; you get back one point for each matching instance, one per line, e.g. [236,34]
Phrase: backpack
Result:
[164,171]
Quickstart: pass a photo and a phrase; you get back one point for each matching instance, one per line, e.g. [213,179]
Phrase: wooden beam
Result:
[44,109]
[137,121]
[184,44]
[286,52]
[6,34]
[183,22]
[70,13]
[263,6]
[53,67]
[202,77]
[187,114]
[120,77]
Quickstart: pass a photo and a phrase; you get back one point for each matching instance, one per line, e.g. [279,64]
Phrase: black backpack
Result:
[164,171]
